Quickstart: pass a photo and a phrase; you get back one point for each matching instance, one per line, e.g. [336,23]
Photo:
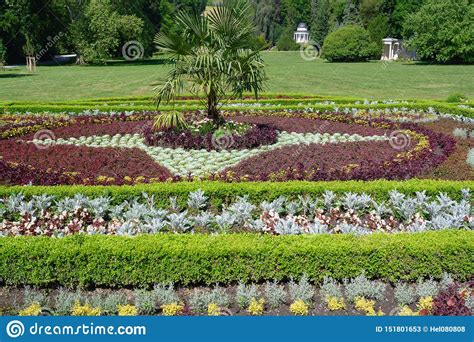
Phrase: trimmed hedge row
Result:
[193,105]
[248,98]
[115,261]
[223,192]
[262,97]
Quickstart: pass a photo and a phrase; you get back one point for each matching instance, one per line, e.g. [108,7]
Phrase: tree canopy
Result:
[442,30]
[98,29]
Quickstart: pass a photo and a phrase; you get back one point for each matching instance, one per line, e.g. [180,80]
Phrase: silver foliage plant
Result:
[360,286]
[301,290]
[329,213]
[274,293]
[199,299]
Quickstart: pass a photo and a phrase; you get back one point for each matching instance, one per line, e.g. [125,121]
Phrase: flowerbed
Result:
[201,135]
[309,146]
[356,296]
[330,213]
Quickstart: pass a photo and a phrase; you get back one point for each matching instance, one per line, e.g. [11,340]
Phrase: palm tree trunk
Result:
[212,111]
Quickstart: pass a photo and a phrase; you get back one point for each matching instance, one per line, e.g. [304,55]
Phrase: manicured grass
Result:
[287,73]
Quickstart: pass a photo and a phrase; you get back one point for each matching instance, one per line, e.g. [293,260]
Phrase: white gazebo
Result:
[301,34]
[391,49]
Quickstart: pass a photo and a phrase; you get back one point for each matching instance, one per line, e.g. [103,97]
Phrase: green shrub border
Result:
[224,192]
[189,105]
[117,261]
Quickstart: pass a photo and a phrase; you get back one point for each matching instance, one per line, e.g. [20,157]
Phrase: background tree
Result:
[212,54]
[41,19]
[369,9]
[23,19]
[286,41]
[400,12]
[378,29]
[295,12]
[320,20]
[267,19]
[106,30]
[351,13]
[3,54]
[442,30]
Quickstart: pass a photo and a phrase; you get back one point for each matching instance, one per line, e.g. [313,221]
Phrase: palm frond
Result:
[212,54]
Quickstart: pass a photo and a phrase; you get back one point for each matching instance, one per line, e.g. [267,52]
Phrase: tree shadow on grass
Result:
[8,75]
[161,61]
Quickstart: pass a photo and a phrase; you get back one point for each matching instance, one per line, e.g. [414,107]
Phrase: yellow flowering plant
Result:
[334,303]
[172,309]
[213,309]
[299,308]
[84,310]
[367,306]
[256,307]
[407,311]
[425,304]
[32,310]
[127,310]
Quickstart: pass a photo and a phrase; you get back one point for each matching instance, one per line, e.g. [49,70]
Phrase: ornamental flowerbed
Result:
[238,222]
[121,148]
[231,135]
[298,297]
[330,213]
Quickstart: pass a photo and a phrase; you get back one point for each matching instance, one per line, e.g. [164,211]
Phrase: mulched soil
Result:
[8,296]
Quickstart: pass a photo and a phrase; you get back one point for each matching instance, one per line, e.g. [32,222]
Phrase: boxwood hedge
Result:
[274,102]
[223,192]
[117,261]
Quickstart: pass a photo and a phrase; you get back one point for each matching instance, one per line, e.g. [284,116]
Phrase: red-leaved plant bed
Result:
[21,162]
[255,136]
[362,160]
[452,301]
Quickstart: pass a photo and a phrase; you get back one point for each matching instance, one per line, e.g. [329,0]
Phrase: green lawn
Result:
[287,73]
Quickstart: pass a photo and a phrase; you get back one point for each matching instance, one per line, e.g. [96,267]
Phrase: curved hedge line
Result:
[113,261]
[223,192]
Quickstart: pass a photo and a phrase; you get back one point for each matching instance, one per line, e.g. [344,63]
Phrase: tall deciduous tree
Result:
[320,20]
[351,13]
[442,30]
[369,9]
[401,10]
[378,29]
[3,53]
[104,30]
[266,18]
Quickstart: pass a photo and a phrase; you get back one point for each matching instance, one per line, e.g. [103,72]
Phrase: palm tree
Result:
[213,54]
